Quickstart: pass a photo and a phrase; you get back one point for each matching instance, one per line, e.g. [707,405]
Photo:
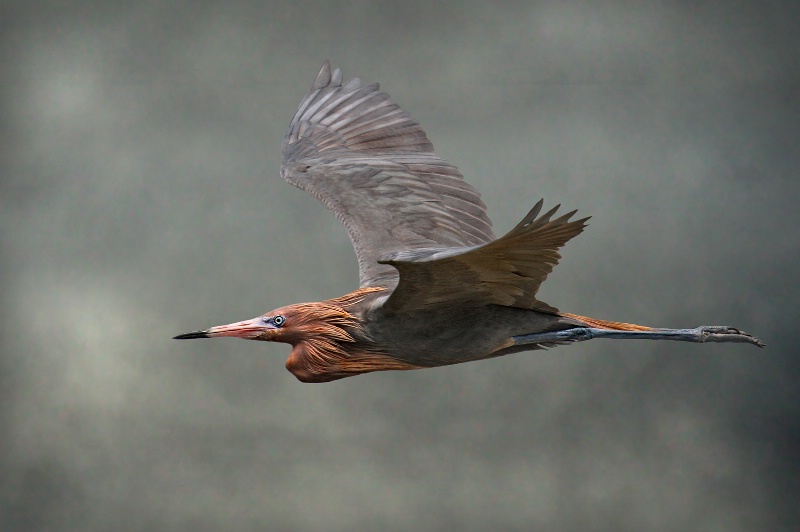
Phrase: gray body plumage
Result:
[454,334]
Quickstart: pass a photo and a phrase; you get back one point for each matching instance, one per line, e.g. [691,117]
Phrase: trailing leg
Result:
[704,333]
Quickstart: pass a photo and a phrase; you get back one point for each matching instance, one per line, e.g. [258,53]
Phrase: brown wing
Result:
[507,271]
[371,164]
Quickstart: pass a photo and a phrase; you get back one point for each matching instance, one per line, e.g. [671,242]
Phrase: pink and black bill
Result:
[192,335]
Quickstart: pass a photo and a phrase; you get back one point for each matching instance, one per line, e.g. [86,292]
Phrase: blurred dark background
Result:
[140,199]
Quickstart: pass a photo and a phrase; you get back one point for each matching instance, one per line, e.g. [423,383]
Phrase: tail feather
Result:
[603,324]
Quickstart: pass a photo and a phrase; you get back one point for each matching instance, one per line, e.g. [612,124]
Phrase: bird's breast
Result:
[311,362]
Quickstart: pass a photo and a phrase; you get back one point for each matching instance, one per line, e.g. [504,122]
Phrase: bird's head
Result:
[328,339]
[291,324]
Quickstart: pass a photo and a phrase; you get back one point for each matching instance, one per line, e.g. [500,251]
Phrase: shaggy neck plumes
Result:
[330,343]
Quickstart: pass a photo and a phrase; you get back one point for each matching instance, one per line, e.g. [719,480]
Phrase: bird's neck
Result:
[333,344]
[334,324]
[355,299]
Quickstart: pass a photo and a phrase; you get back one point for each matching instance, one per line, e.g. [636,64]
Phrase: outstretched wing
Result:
[507,271]
[371,164]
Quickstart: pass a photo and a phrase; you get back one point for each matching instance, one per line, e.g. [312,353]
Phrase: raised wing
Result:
[507,271]
[371,164]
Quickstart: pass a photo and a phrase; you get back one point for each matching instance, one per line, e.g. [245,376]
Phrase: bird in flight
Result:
[437,287]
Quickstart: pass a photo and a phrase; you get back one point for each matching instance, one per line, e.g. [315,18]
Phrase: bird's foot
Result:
[723,333]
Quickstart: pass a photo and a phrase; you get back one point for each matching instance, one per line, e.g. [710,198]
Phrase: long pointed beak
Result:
[248,329]
[192,335]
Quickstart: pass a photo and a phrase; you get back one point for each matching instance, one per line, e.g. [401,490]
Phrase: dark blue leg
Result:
[705,333]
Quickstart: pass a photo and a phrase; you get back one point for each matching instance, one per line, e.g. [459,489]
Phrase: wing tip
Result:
[533,221]
[324,76]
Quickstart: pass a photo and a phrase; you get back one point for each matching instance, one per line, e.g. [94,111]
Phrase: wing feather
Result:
[507,271]
[372,164]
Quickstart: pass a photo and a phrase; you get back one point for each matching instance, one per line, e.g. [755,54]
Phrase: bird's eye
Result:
[278,321]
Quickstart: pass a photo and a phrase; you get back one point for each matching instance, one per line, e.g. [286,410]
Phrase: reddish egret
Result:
[436,286]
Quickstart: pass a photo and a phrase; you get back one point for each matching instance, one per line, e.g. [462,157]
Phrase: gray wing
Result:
[371,164]
[507,271]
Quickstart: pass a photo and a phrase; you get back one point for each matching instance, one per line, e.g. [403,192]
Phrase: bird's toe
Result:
[724,333]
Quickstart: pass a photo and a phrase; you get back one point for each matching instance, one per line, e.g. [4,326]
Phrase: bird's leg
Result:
[704,333]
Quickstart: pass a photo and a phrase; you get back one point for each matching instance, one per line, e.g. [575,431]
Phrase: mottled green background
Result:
[140,199]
